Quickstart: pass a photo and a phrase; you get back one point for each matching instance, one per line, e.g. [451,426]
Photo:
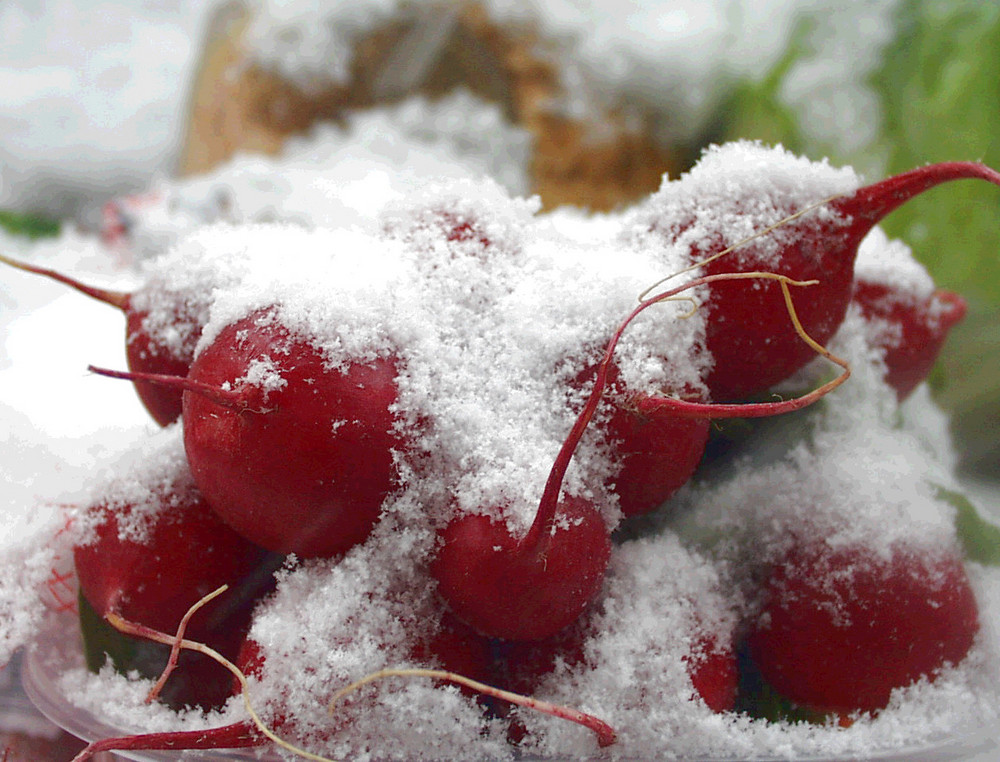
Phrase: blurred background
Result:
[103,100]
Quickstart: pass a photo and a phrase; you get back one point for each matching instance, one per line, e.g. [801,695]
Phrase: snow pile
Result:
[495,314]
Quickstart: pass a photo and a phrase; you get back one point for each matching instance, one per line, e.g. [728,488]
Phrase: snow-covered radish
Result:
[294,454]
[143,554]
[783,215]
[842,627]
[531,587]
[909,330]
[147,350]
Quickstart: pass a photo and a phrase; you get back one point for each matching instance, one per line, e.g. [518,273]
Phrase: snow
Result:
[673,61]
[94,97]
[386,237]
[492,310]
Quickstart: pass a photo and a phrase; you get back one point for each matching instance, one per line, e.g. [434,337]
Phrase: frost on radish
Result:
[662,627]
[908,317]
[806,221]
[842,627]
[295,454]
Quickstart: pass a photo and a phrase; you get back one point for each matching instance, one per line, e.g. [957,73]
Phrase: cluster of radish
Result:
[325,425]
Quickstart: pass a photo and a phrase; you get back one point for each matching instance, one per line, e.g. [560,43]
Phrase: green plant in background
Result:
[27,225]
[938,86]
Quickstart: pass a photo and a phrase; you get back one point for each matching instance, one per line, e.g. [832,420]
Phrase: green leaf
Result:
[980,539]
[939,95]
[102,642]
[756,698]
[27,225]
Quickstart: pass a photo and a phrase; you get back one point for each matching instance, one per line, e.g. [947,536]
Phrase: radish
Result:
[714,674]
[747,334]
[657,456]
[186,551]
[841,627]
[531,587]
[295,455]
[182,550]
[910,331]
[524,588]
[147,351]
[654,456]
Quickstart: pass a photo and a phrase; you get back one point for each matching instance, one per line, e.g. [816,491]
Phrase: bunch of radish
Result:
[435,432]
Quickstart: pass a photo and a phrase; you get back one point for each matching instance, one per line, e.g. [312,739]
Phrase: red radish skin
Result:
[657,456]
[841,628]
[523,588]
[310,473]
[189,552]
[144,352]
[302,468]
[654,457]
[747,332]
[714,674]
[917,331]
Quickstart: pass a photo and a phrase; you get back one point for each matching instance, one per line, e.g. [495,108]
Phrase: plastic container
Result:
[56,650]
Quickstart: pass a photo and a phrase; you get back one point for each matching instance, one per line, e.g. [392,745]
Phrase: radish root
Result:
[759,234]
[605,733]
[177,642]
[175,649]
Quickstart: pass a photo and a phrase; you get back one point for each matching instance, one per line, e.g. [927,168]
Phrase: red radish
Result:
[523,664]
[842,627]
[186,551]
[911,331]
[525,588]
[302,466]
[713,671]
[530,587]
[654,456]
[145,352]
[657,456]
[456,647]
[747,332]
